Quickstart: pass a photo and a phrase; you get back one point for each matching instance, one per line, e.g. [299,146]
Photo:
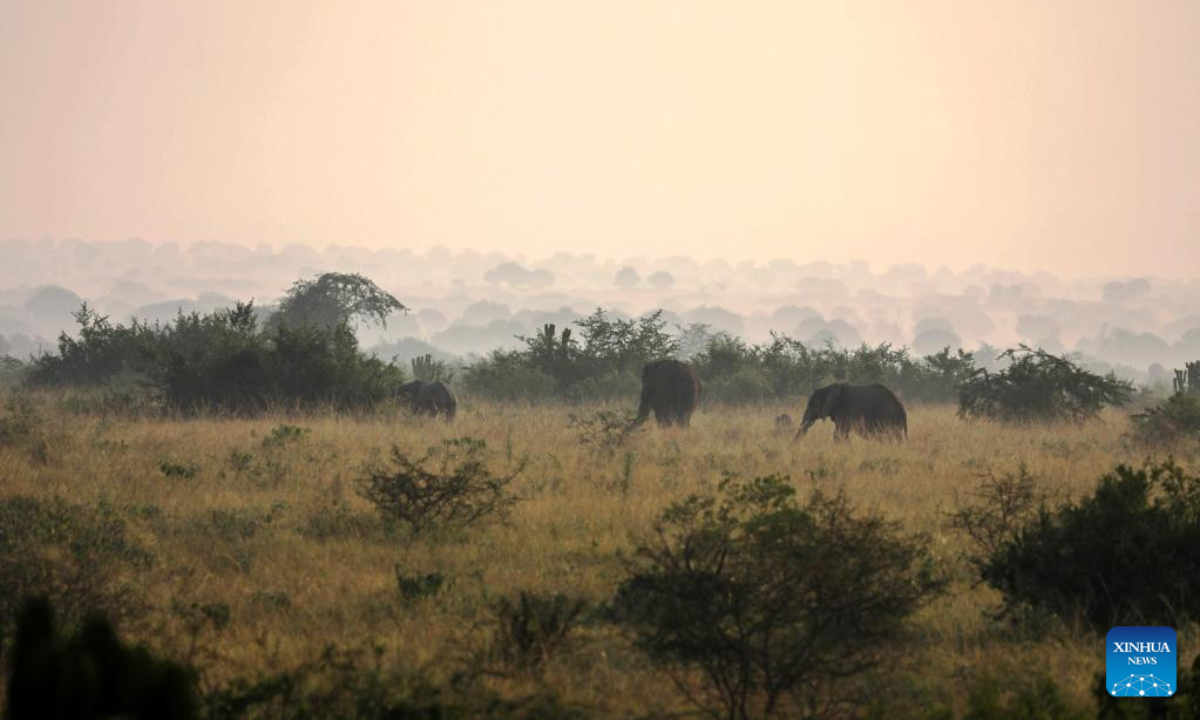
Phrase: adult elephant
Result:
[869,410]
[671,389]
[429,398]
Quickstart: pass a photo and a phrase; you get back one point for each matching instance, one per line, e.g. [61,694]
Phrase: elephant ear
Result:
[833,397]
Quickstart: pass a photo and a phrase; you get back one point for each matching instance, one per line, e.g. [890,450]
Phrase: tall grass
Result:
[238,532]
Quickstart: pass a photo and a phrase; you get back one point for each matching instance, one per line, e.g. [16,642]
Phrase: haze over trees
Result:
[467,304]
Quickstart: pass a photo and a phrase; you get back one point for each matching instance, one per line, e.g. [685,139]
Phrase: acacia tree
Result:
[1037,385]
[333,299]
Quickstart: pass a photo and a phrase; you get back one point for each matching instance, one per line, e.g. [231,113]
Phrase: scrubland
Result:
[263,553]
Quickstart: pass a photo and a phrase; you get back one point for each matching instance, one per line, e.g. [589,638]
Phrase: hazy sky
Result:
[1032,134]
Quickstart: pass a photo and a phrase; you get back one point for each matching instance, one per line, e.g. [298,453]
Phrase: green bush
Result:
[24,427]
[1038,386]
[102,351]
[1002,506]
[1128,554]
[80,555]
[449,487]
[221,361]
[1176,419]
[762,603]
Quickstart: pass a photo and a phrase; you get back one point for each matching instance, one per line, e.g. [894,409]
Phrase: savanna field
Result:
[257,554]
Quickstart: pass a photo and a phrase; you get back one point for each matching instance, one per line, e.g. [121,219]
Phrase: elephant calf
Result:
[429,398]
[671,389]
[869,410]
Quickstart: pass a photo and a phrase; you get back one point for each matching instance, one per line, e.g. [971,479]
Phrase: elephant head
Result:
[822,403]
[408,390]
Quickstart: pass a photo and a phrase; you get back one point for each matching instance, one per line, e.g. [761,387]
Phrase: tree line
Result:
[306,354]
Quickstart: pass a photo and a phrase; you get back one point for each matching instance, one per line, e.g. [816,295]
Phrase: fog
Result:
[464,304]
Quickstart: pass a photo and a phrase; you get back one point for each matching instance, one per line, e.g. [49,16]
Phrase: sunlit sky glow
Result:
[1027,134]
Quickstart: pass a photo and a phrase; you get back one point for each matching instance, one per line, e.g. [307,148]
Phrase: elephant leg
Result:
[841,433]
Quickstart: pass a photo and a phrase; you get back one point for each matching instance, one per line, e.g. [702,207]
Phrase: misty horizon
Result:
[465,304]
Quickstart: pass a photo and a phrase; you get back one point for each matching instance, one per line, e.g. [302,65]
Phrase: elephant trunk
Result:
[804,426]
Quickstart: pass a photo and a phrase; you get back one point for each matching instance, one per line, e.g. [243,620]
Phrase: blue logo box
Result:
[1141,661]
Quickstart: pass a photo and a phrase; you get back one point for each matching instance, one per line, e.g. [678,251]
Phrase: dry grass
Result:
[241,532]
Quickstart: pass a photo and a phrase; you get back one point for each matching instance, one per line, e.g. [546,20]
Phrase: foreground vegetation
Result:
[276,554]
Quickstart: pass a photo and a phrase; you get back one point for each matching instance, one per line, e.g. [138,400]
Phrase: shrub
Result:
[771,600]
[343,683]
[533,627]
[604,430]
[1038,386]
[182,471]
[75,554]
[283,435]
[1176,419]
[90,674]
[23,427]
[448,487]
[506,376]
[421,585]
[103,350]
[1002,506]
[221,360]
[1129,554]
[12,371]
[1036,698]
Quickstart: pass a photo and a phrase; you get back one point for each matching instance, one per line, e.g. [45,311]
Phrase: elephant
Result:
[429,398]
[870,410]
[671,389]
[783,423]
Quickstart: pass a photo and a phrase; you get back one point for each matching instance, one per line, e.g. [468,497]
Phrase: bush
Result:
[75,554]
[421,585]
[221,360]
[343,683]
[1038,386]
[449,487]
[604,430]
[505,376]
[1003,505]
[534,627]
[771,600]
[1129,554]
[90,674]
[23,427]
[103,350]
[1176,419]
[12,371]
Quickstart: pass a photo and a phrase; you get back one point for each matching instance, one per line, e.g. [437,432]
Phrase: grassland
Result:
[276,532]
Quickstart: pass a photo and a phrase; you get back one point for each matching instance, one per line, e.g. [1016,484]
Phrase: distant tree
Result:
[335,299]
[510,273]
[661,280]
[933,340]
[1036,386]
[1117,292]
[627,277]
[52,304]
